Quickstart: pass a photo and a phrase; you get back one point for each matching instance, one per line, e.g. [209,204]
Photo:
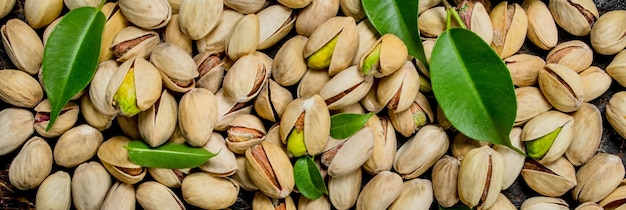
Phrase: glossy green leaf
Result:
[473,87]
[168,155]
[344,125]
[71,55]
[398,17]
[308,178]
[459,206]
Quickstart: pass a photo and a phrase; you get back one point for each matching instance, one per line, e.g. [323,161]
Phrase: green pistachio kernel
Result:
[371,61]
[125,97]
[419,120]
[295,143]
[538,148]
[425,85]
[321,58]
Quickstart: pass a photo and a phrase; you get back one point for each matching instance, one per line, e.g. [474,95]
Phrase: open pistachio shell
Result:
[341,55]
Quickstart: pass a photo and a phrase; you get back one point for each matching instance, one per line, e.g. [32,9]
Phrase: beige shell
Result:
[65,120]
[415,117]
[244,131]
[541,26]
[341,157]
[615,112]
[392,56]
[314,15]
[343,191]
[73,4]
[241,176]
[321,203]
[399,89]
[121,196]
[153,195]
[224,163]
[595,82]
[19,89]
[246,6]
[98,86]
[115,23]
[614,199]
[208,192]
[416,194]
[503,203]
[23,45]
[607,34]
[6,7]
[295,4]
[546,123]
[92,116]
[574,54]
[477,20]
[561,86]
[552,179]
[345,49]
[228,109]
[211,71]
[421,151]
[275,22]
[178,69]
[272,100]
[133,41]
[367,38]
[352,8]
[432,22]
[15,128]
[385,145]
[289,66]
[380,191]
[147,83]
[530,103]
[175,36]
[129,126]
[147,14]
[514,160]
[616,68]
[198,17]
[346,88]
[197,114]
[172,178]
[157,123]
[370,101]
[245,79]
[244,37]
[31,165]
[462,144]
[574,16]
[316,126]
[541,203]
[510,26]
[214,41]
[77,145]
[427,4]
[270,170]
[262,202]
[480,177]
[312,83]
[587,134]
[444,180]
[90,184]
[41,13]
[114,158]
[54,192]
[605,167]
[524,68]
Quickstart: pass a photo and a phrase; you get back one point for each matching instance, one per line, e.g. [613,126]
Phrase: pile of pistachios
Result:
[256,82]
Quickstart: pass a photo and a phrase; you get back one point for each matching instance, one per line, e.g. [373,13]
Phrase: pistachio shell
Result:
[480,177]
[65,121]
[444,180]
[392,56]
[574,54]
[90,184]
[346,88]
[15,128]
[275,22]
[147,84]
[510,26]
[153,195]
[524,68]
[23,45]
[41,13]
[367,38]
[172,178]
[544,124]
[98,87]
[399,89]
[211,70]
[228,109]
[432,21]
[607,34]
[214,41]
[416,194]
[245,79]
[561,86]
[121,196]
[552,179]
[541,26]
[587,134]
[54,192]
[605,167]
[244,38]
[224,163]
[178,69]
[115,159]
[541,202]
[272,100]
[595,82]
[380,191]
[77,145]
[616,68]
[31,165]
[343,191]
[197,116]
[270,170]
[198,17]
[289,66]
[92,116]
[344,28]
[416,156]
[295,4]
[574,16]
[19,89]
[385,145]
[312,83]
[115,22]
[157,123]
[314,15]
[514,160]
[204,191]
[6,7]
[246,6]
[352,8]
[530,103]
[316,123]
[343,158]
[147,14]
[132,41]
[175,36]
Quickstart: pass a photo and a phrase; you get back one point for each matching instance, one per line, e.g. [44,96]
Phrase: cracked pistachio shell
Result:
[589,206]
[198,17]
[344,29]
[341,157]
[90,184]
[444,180]
[270,170]
[615,200]
[321,203]
[502,203]
[73,4]
[462,144]
[543,125]
[114,158]
[427,4]
[157,123]
[169,177]
[246,6]
[19,89]
[530,103]
[385,145]
[272,100]
[115,22]
[16,125]
[608,35]
[7,6]
[177,68]
[541,203]
[615,112]
[514,161]
[295,4]
[541,26]
[275,22]
[241,176]
[224,163]
[510,26]
[598,178]
[197,115]
[153,195]
[289,66]
[23,45]
[147,84]
[524,68]
[211,71]
[77,145]
[368,36]
[399,90]
[343,191]
[346,88]
[352,8]
[392,56]
[595,82]
[39,14]
[432,22]
[415,117]
[31,165]
[561,86]
[312,83]
[587,134]
[208,192]
[92,116]
[370,100]
[55,192]
[262,202]
[244,37]
[215,40]
[315,125]
[552,179]
[574,54]
[133,42]
[243,132]
[617,67]
[380,191]
[121,196]
[245,79]
[480,177]
[129,126]
[314,15]
[477,19]
[574,16]
[421,151]
[146,14]
[66,120]
[175,36]
[416,194]
[98,87]
[228,109]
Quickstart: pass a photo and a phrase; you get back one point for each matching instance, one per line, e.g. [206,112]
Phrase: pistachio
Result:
[333,45]
[480,177]
[416,194]
[380,191]
[197,114]
[198,17]
[548,135]
[114,158]
[241,176]
[415,117]
[90,184]
[305,126]
[343,157]
[157,123]
[321,203]
[462,144]
[31,165]
[314,15]
[416,156]
[121,196]
[615,200]
[530,103]
[616,68]
[608,33]
[595,82]
[352,8]
[77,145]
[587,134]
[263,202]
[270,170]
[275,22]
[15,128]
[41,13]
[602,166]
[370,100]
[343,191]
[444,180]
[224,163]
[524,68]
[312,83]
[503,203]
[214,41]
[134,87]
[66,119]
[476,19]
[552,179]
[6,7]
[427,4]
[178,69]
[561,86]
[245,79]
[92,116]
[132,41]
[228,109]
[54,192]
[172,178]
[272,100]
[510,26]
[147,14]
[208,192]
[368,37]
[541,202]
[432,22]
[23,45]
[153,195]
[211,71]
[346,88]
[385,145]
[98,86]
[615,112]
[514,160]
[574,54]
[244,37]
[575,16]
[19,89]
[541,26]
[385,57]
[175,36]
[399,89]
[289,66]
[244,131]
[246,6]
[295,4]
[115,22]
[129,126]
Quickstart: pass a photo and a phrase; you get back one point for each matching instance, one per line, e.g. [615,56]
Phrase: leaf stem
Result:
[452,13]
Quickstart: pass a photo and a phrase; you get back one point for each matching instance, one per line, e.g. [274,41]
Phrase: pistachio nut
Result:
[444,180]
[421,151]
[552,179]
[595,82]
[510,26]
[370,100]
[616,68]
[368,36]
[172,178]
[429,44]
[90,184]
[134,87]
[561,86]
[343,191]
[432,22]
[77,145]
[386,56]
[133,42]
[346,88]
[31,165]
[416,194]
[462,144]
[241,176]
[129,126]
[541,26]
[503,203]
[246,6]
[333,45]
[312,83]
[442,120]
[607,34]
[385,145]
[524,68]
[541,202]
[548,135]
[341,157]
[476,19]
[147,14]
[224,163]
[178,69]
[197,114]
[399,89]
[245,79]
[157,123]
[15,128]
[23,45]
[66,119]
[587,134]
[175,36]
[215,40]
[244,131]
[530,103]
[295,4]
[275,22]
[121,196]
[574,16]
[244,37]
[262,202]
[480,177]
[412,119]
[198,17]
[380,191]
[177,136]
[92,116]
[321,203]
[210,69]
[114,158]
[514,160]
[6,7]
[19,89]
[352,8]
[289,66]
[615,200]
[615,112]
[305,126]
[73,4]
[270,170]
[98,86]
[605,167]
[228,109]
[574,54]
[314,15]
[41,13]
[54,192]
[272,100]
[153,195]
[115,22]
[589,206]
[175,4]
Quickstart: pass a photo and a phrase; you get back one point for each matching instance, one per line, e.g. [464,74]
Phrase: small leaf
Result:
[398,17]
[168,155]
[308,178]
[71,56]
[344,125]
[459,206]
[473,87]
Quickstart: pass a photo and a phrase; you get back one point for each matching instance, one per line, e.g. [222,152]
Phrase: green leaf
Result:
[398,17]
[308,178]
[459,206]
[473,87]
[168,155]
[70,56]
[344,125]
